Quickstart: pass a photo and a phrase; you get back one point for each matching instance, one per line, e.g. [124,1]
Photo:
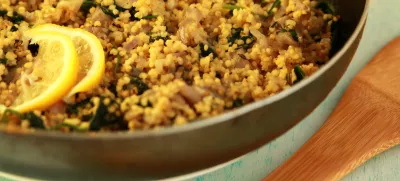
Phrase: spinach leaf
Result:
[205,53]
[74,109]
[3,12]
[102,117]
[155,38]
[14,29]
[294,35]
[299,73]
[326,7]
[98,120]
[108,12]
[87,5]
[248,42]
[140,85]
[3,61]
[119,8]
[236,35]
[34,120]
[133,11]
[16,18]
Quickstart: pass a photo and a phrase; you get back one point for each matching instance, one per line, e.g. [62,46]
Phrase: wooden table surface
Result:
[382,26]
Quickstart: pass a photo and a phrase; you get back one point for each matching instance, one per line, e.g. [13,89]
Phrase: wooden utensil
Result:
[365,123]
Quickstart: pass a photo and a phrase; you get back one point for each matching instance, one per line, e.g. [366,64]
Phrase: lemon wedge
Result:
[91,56]
[53,74]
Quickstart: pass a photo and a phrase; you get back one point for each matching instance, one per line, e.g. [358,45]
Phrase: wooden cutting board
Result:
[365,123]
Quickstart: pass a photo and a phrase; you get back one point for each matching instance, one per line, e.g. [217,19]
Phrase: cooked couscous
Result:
[166,62]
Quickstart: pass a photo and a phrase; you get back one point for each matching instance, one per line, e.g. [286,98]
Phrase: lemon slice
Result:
[53,74]
[90,54]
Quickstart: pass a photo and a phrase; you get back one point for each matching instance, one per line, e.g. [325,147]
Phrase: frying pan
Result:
[151,155]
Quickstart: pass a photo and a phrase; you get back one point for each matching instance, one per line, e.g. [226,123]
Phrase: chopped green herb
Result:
[133,11]
[14,29]
[248,42]
[71,126]
[16,18]
[300,75]
[293,33]
[237,103]
[156,38]
[274,25]
[149,17]
[242,56]
[98,118]
[276,4]
[3,61]
[140,85]
[261,15]
[108,12]
[87,5]
[205,53]
[236,35]
[3,12]
[232,6]
[326,7]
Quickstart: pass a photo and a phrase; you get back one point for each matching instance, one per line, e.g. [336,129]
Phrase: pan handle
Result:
[354,133]
[364,124]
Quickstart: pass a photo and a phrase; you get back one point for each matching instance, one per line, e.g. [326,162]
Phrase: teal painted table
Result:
[382,26]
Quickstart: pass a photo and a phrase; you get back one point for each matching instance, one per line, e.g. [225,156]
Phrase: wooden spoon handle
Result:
[364,124]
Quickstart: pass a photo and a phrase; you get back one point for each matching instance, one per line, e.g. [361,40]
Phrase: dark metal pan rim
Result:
[209,121]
